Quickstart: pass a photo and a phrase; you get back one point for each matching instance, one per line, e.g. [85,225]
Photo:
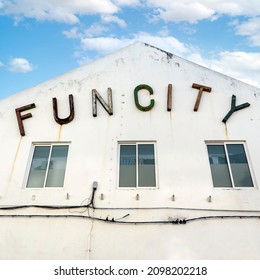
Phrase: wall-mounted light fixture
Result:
[95,185]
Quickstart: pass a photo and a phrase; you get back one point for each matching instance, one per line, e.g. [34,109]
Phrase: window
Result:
[48,166]
[137,165]
[229,165]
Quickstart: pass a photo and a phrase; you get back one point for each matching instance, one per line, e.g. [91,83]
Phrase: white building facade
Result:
[138,155]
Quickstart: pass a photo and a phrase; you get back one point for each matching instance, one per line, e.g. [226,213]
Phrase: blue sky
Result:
[42,39]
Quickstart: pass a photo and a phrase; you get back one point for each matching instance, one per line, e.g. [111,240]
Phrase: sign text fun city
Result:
[108,106]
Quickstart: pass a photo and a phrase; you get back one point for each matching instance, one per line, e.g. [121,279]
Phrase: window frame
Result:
[29,163]
[224,144]
[136,143]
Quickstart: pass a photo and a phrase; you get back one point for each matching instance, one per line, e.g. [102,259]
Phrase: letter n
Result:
[96,96]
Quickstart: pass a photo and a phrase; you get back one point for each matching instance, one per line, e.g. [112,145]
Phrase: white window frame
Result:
[44,144]
[224,144]
[136,143]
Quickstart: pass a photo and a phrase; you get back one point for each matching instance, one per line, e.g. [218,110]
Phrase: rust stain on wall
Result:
[59,133]
[15,158]
[226,132]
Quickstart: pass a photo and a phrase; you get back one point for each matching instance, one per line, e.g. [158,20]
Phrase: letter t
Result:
[201,88]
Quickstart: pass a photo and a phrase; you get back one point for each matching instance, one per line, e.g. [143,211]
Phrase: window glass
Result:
[57,165]
[239,165]
[219,166]
[38,167]
[229,165]
[127,172]
[146,165]
[137,165]
[48,166]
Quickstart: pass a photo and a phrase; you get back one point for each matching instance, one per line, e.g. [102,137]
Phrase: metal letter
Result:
[55,111]
[234,108]
[201,88]
[138,105]
[169,98]
[20,117]
[108,107]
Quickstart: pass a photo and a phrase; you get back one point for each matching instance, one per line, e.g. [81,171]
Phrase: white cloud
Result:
[1,64]
[244,66]
[131,3]
[73,33]
[68,11]
[250,29]
[167,43]
[93,47]
[94,30]
[105,45]
[194,11]
[197,58]
[61,11]
[177,11]
[21,65]
[234,7]
[115,19]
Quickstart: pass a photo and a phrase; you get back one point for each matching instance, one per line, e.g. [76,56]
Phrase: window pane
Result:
[239,166]
[38,167]
[56,171]
[218,166]
[146,165]
[127,172]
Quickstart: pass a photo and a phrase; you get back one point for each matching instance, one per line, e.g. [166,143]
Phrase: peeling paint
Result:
[169,55]
[119,61]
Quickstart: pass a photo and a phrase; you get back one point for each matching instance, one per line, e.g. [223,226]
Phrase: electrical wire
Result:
[91,205]
[118,221]
[55,207]
[221,217]
[58,207]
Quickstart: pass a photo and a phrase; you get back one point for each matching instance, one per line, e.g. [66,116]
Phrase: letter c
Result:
[138,105]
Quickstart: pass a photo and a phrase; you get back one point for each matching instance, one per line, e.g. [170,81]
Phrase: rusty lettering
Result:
[169,98]
[20,117]
[201,89]
[234,108]
[96,96]
[55,111]
[138,105]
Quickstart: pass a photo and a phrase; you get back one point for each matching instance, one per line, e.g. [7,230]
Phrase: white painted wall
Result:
[182,164]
